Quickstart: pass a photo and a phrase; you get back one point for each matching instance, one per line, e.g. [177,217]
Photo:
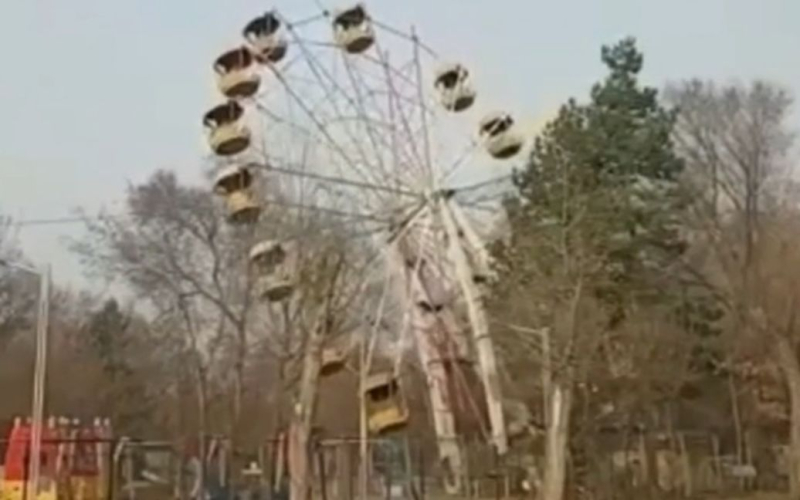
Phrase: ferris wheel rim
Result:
[400,162]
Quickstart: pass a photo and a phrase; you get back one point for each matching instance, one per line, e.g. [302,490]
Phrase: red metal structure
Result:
[73,459]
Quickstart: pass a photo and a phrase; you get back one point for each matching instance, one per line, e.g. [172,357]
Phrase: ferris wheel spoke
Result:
[337,205]
[318,71]
[337,148]
[377,322]
[404,74]
[385,125]
[366,57]
[408,299]
[401,227]
[324,79]
[378,167]
[326,210]
[399,156]
[317,43]
[310,19]
[459,163]
[401,77]
[482,184]
[483,200]
[293,61]
[383,136]
[321,75]
[288,121]
[393,146]
[484,206]
[408,37]
[399,110]
[363,113]
[351,229]
[407,75]
[270,166]
[407,101]
[426,140]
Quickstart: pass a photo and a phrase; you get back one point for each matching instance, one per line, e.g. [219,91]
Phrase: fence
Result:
[406,467]
[409,468]
[397,468]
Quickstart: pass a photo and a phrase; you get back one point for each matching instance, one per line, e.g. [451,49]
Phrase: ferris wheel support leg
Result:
[487,360]
[436,376]
[441,406]
[483,260]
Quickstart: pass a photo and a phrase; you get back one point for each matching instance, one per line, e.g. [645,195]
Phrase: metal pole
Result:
[422,471]
[363,433]
[480,330]
[323,479]
[547,374]
[40,370]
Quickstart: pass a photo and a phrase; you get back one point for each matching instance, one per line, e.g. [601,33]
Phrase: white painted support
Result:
[480,330]
[425,327]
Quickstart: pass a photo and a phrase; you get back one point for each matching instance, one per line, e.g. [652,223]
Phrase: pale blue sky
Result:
[97,93]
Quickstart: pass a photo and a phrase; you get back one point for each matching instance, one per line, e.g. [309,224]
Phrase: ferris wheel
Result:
[343,114]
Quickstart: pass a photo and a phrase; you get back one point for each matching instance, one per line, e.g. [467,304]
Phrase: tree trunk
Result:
[239,383]
[299,461]
[790,366]
[202,431]
[737,421]
[557,439]
[303,416]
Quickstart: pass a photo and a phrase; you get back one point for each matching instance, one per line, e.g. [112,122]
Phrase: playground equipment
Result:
[74,461]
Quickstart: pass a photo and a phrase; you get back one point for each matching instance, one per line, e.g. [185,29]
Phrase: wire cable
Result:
[482,184]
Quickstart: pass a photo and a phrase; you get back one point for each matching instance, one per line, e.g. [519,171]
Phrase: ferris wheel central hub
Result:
[442,194]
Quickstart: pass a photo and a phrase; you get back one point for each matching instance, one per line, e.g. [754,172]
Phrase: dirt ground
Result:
[754,496]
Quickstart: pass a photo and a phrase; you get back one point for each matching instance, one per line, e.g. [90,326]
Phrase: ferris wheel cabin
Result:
[232,179]
[275,287]
[242,208]
[455,91]
[333,361]
[352,29]
[264,36]
[386,406]
[267,255]
[227,135]
[276,282]
[236,76]
[499,136]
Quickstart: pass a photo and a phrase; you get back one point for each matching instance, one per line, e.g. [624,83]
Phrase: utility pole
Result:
[39,373]
[39,378]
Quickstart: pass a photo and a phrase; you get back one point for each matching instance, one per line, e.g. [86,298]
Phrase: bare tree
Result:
[17,290]
[173,251]
[736,145]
